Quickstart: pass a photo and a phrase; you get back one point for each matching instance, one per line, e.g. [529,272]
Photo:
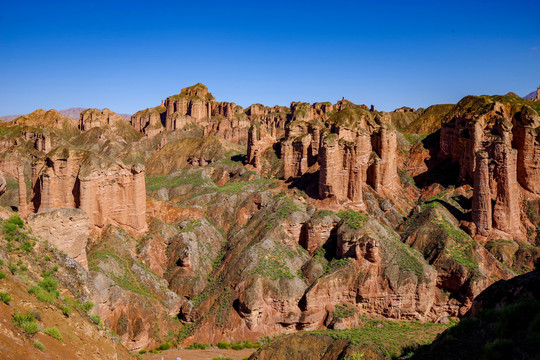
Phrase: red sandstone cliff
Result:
[108,191]
[497,147]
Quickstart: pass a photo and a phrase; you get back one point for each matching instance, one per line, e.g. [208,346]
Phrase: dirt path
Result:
[207,354]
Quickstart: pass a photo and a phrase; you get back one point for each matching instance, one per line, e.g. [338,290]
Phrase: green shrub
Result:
[164,346]
[66,310]
[1,262]
[27,246]
[54,333]
[27,322]
[2,275]
[237,346]
[142,352]
[223,345]
[96,319]
[48,284]
[222,358]
[15,220]
[12,268]
[87,306]
[46,290]
[4,297]
[39,345]
[196,345]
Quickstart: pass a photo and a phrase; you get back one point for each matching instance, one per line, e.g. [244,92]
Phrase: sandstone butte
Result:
[203,221]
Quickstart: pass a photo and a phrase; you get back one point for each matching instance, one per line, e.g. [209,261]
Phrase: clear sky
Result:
[128,55]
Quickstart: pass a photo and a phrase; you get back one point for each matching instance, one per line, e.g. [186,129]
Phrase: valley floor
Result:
[207,354]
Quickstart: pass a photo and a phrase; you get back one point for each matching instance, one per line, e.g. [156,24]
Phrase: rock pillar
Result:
[481,206]
[23,205]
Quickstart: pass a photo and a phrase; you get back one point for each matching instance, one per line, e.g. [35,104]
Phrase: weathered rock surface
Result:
[149,121]
[496,144]
[108,191]
[501,323]
[66,229]
[92,118]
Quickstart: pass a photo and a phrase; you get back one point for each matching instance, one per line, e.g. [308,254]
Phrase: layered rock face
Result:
[92,118]
[498,149]
[66,229]
[107,191]
[301,147]
[352,148]
[258,141]
[149,121]
[41,141]
[194,103]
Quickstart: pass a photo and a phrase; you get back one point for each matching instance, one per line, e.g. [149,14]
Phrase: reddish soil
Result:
[207,354]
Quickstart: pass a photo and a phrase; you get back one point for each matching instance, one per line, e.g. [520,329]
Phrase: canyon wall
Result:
[108,191]
[91,118]
[497,146]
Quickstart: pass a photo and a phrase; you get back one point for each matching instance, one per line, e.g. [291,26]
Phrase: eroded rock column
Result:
[481,206]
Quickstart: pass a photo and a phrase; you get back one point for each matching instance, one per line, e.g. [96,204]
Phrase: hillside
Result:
[330,228]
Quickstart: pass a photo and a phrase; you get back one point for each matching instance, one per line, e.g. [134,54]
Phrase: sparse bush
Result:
[27,323]
[66,310]
[2,275]
[96,319]
[142,352]
[223,345]
[4,297]
[27,246]
[12,268]
[39,345]
[54,333]
[164,346]
[46,290]
[196,345]
[87,306]
[237,346]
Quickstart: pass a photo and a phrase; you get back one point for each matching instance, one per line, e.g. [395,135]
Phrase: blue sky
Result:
[130,55]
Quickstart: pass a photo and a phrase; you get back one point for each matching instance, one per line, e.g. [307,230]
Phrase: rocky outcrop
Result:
[193,104]
[301,147]
[92,118]
[359,149]
[41,141]
[107,191]
[23,202]
[66,229]
[3,183]
[481,205]
[497,148]
[149,121]
[259,140]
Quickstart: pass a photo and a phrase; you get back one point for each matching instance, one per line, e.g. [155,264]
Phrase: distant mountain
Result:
[73,113]
[8,117]
[530,96]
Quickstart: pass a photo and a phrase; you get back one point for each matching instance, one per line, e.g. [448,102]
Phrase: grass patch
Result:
[46,290]
[5,298]
[343,311]
[284,209]
[390,337]
[27,322]
[54,333]
[66,310]
[354,219]
[39,345]
[196,345]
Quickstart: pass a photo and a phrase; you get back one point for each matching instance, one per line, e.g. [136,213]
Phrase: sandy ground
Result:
[207,354]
